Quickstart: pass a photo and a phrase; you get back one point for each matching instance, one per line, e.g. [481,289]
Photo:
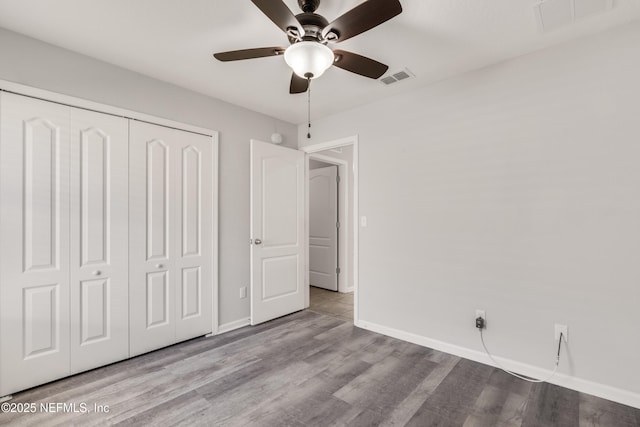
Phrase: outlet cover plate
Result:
[483,314]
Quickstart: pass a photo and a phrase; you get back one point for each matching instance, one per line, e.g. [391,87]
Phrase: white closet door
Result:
[34,237]
[152,205]
[193,257]
[170,236]
[99,239]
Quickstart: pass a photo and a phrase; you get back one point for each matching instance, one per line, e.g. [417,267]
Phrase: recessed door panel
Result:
[41,141]
[157,299]
[319,257]
[319,197]
[191,292]
[95,308]
[280,188]
[40,319]
[157,194]
[96,195]
[34,243]
[191,201]
[279,277]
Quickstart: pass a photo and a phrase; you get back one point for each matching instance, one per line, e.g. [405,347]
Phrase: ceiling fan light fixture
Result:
[308,59]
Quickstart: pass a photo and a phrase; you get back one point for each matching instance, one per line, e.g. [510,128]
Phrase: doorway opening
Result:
[332,272]
[324,225]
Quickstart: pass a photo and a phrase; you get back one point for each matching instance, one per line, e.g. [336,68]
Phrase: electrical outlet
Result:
[564,329]
[482,314]
[243,292]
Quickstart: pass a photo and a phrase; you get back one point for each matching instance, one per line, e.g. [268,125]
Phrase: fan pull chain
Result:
[309,107]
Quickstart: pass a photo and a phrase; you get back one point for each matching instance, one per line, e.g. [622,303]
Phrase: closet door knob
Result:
[159,266]
[257,242]
[97,273]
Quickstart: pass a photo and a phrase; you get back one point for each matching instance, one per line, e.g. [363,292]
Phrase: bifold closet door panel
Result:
[34,242]
[193,260]
[99,239]
[170,259]
[152,210]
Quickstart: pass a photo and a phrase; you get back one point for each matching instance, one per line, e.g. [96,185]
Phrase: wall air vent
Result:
[553,14]
[397,76]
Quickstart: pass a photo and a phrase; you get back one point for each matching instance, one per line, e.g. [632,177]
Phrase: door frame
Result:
[315,148]
[50,96]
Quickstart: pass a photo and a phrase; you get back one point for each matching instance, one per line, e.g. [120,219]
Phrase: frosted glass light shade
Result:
[308,59]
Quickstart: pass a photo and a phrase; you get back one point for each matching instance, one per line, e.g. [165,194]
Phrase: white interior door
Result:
[99,239]
[323,228]
[277,231]
[34,237]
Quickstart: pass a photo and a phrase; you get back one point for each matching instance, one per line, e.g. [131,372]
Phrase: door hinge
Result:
[337,224]
[338,179]
[338,270]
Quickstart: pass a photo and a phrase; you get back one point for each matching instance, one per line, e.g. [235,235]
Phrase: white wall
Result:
[514,189]
[34,63]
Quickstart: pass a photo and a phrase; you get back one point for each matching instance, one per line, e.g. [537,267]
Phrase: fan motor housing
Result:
[313,25]
[308,6]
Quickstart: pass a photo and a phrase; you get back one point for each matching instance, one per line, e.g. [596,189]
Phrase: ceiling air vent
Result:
[553,14]
[396,77]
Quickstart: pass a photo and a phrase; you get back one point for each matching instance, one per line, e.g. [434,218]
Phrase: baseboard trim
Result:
[578,384]
[231,326]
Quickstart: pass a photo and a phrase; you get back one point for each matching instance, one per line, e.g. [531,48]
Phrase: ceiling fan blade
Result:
[298,84]
[280,14]
[359,64]
[236,55]
[362,18]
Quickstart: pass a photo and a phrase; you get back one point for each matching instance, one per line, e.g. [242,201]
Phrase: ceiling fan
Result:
[309,33]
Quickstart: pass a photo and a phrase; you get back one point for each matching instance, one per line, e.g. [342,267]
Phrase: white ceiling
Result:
[173,40]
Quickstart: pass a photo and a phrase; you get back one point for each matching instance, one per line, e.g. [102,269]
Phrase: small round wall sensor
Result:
[276,138]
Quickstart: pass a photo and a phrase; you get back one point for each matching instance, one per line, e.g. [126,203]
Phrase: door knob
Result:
[159,266]
[257,241]
[97,273]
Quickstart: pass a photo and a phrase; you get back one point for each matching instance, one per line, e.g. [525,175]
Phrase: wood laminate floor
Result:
[310,369]
[331,303]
